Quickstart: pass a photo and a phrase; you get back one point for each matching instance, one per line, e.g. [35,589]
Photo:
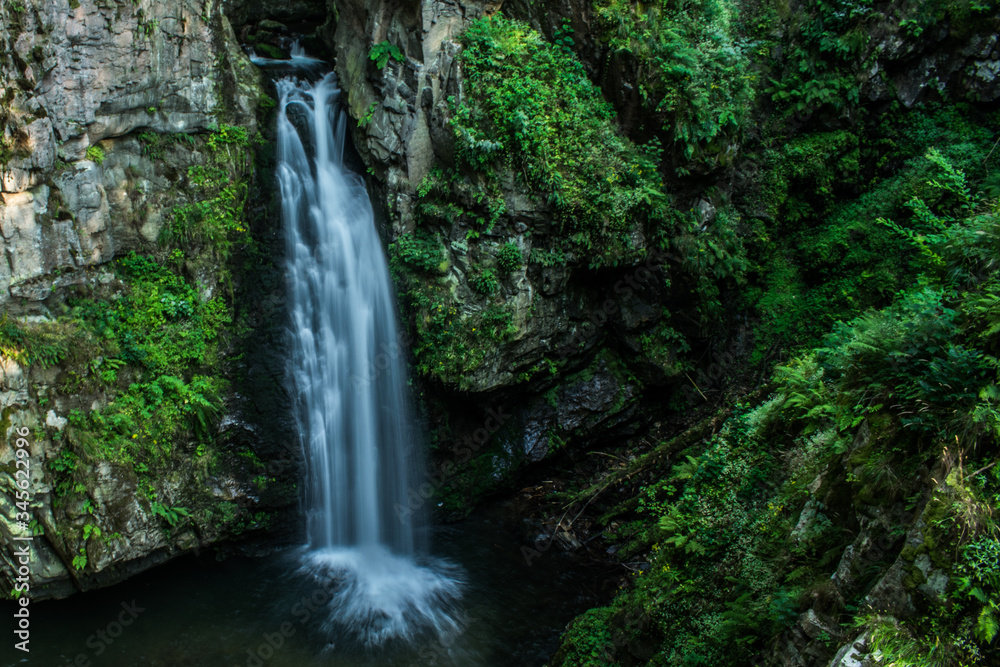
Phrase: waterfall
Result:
[350,381]
[346,359]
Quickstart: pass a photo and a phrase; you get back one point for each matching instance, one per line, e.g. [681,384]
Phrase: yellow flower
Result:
[135,435]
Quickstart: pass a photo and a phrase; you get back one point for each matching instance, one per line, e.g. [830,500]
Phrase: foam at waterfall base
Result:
[379,597]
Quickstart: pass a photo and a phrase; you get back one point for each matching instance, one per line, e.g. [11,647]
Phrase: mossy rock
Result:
[272,26]
[272,52]
[913,578]
[587,640]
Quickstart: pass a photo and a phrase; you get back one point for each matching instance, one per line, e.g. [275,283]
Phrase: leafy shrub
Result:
[422,251]
[381,53]
[819,66]
[95,154]
[588,639]
[216,221]
[172,515]
[485,282]
[531,104]
[44,344]
[694,79]
[509,257]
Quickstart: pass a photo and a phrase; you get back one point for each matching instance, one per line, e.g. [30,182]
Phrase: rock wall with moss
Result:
[669,185]
[131,162]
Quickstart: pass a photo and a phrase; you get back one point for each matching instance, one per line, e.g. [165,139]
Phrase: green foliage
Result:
[802,174]
[95,154]
[548,257]
[817,262]
[497,322]
[157,334]
[42,344]
[172,515]
[712,256]
[713,507]
[588,639]
[214,222]
[154,144]
[452,342]
[818,72]
[531,107]
[509,257]
[979,582]
[666,347]
[909,354]
[442,190]
[381,52]
[485,282]
[738,542]
[226,136]
[365,120]
[915,354]
[693,78]
[215,219]
[422,251]
[162,324]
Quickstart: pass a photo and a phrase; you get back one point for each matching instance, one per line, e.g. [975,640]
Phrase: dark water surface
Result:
[200,613]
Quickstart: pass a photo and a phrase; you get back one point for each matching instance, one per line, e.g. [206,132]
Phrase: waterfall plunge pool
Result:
[197,612]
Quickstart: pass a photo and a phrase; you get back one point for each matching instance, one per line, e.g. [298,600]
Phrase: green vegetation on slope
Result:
[147,346]
[532,108]
[694,80]
[530,115]
[821,255]
[743,532]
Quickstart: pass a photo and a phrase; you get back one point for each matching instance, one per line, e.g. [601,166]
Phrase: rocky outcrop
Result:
[559,314]
[77,76]
[103,105]
[949,60]
[911,551]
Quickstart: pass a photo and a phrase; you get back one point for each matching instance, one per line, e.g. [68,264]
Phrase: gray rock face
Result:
[595,401]
[851,654]
[407,131]
[106,71]
[943,61]
[76,189]
[79,76]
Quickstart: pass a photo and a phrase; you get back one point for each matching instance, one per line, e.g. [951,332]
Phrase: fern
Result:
[382,51]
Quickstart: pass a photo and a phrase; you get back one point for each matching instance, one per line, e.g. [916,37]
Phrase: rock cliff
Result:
[107,110]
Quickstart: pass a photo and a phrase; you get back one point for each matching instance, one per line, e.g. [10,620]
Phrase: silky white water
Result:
[351,387]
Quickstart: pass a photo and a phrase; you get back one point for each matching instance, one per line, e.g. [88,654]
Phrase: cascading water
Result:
[351,387]
[354,415]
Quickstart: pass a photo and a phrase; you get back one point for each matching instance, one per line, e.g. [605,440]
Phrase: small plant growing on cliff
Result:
[382,51]
[366,120]
[95,154]
[485,282]
[422,251]
[172,515]
[509,257]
